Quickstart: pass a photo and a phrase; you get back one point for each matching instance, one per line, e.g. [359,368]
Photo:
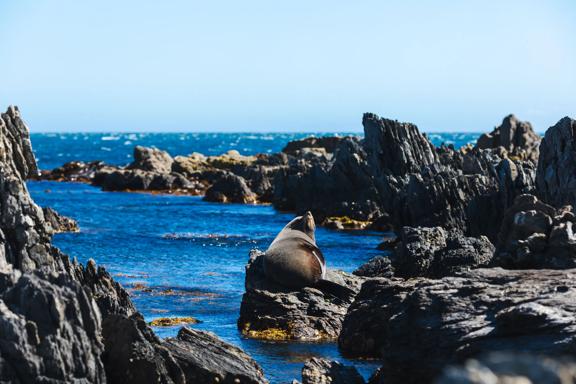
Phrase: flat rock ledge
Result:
[420,325]
[272,312]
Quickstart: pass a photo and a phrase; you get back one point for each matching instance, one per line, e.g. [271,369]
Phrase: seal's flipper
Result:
[334,289]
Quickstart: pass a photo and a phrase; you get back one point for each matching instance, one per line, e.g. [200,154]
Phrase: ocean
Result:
[181,256]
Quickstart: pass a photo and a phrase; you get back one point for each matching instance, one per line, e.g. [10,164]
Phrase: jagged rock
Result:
[62,322]
[433,252]
[395,148]
[507,368]
[270,311]
[516,137]
[49,330]
[151,160]
[138,180]
[230,189]
[58,222]
[556,176]
[327,143]
[305,185]
[322,371]
[418,326]
[536,235]
[204,358]
[378,266]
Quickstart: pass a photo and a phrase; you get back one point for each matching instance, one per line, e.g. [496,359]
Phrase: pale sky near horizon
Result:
[180,65]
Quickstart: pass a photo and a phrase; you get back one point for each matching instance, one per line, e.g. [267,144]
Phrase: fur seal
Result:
[293,259]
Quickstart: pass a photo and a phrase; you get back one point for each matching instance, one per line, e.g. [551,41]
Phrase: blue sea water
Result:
[193,249]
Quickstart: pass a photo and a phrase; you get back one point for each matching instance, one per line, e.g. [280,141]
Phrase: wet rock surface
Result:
[271,311]
[419,325]
[322,371]
[230,189]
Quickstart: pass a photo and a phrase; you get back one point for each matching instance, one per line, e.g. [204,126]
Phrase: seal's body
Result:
[293,259]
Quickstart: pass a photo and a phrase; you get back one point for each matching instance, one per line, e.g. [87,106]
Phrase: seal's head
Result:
[304,223]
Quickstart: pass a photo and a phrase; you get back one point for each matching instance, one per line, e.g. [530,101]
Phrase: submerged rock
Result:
[322,371]
[418,326]
[273,312]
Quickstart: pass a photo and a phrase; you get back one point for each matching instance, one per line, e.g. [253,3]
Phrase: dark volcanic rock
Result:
[378,266]
[508,368]
[418,326]
[151,160]
[516,137]
[230,189]
[61,322]
[328,143]
[395,148]
[536,235]
[322,371]
[204,358]
[58,222]
[74,171]
[556,174]
[49,330]
[270,311]
[433,252]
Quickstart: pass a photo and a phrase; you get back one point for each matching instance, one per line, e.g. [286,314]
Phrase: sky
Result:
[184,65]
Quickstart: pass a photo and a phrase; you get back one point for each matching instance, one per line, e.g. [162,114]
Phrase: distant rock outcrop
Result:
[516,137]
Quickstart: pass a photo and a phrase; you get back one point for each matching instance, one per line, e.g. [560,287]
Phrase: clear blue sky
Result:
[183,65]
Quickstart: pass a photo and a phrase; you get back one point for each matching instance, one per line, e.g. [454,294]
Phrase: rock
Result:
[379,266]
[73,171]
[58,222]
[433,252]
[270,311]
[204,358]
[151,160]
[63,322]
[230,189]
[536,235]
[229,160]
[328,143]
[516,137]
[50,330]
[138,180]
[322,371]
[134,354]
[507,368]
[556,176]
[395,148]
[418,326]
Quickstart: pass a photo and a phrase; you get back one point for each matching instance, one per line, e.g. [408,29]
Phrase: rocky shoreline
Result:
[477,286]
